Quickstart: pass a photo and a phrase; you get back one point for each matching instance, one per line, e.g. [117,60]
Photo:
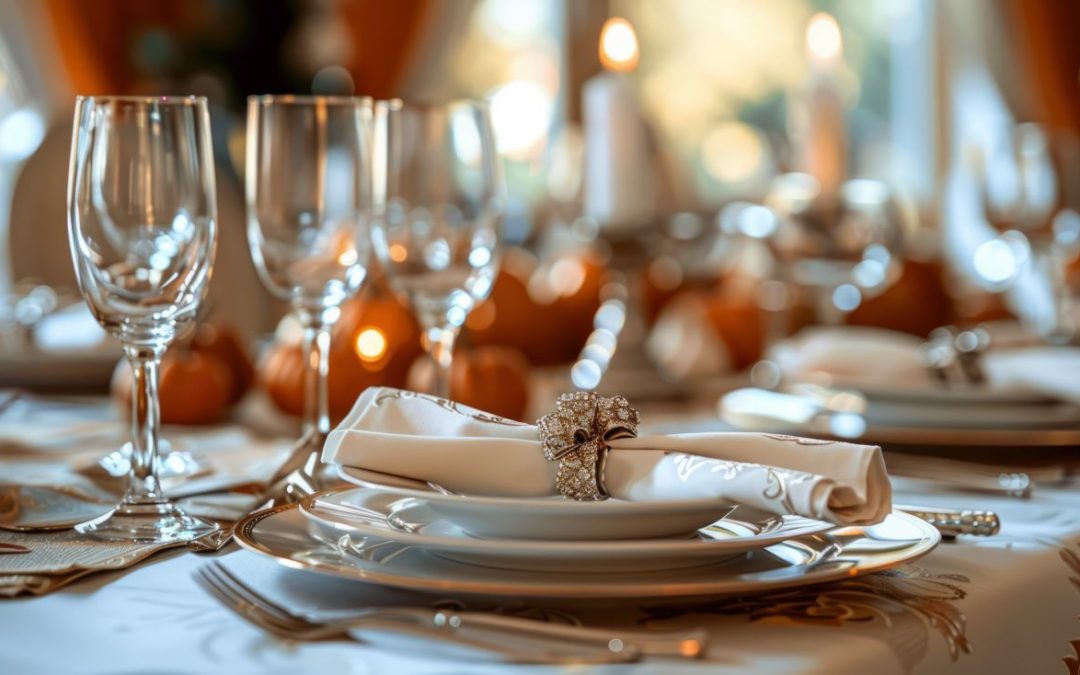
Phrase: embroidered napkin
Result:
[857,356]
[472,452]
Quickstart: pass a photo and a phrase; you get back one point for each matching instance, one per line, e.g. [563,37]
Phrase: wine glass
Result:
[1025,193]
[842,248]
[437,214]
[142,221]
[307,190]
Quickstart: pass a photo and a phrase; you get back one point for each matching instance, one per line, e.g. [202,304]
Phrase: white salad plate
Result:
[286,536]
[553,517]
[371,512]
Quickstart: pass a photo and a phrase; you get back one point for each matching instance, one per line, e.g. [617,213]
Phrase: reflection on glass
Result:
[437,218]
[308,185]
[143,231]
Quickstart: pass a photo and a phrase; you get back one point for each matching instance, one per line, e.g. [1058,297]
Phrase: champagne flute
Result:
[437,214]
[307,190]
[142,222]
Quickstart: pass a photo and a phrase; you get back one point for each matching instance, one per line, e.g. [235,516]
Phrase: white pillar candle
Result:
[823,144]
[619,190]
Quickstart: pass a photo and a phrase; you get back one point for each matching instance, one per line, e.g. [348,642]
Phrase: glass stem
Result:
[317,328]
[828,314]
[143,484]
[439,343]
[1059,327]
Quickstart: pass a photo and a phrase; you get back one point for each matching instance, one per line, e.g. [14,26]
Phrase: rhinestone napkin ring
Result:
[576,436]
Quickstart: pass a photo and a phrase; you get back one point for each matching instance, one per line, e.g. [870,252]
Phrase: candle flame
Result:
[824,42]
[618,45]
[371,344]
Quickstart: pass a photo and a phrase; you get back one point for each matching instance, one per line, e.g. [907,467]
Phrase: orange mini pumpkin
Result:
[545,313]
[373,343]
[225,343]
[492,378]
[193,388]
[917,303]
[738,321]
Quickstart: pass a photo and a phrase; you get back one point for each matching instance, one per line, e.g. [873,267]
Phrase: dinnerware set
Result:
[942,418]
[668,551]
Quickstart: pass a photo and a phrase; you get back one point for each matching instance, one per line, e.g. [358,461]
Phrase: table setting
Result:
[606,426]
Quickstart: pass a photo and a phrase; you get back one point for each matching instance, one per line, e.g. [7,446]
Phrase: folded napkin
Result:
[473,452]
[856,356]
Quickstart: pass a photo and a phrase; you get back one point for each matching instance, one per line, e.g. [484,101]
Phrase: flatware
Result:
[954,522]
[508,638]
[978,477]
[8,398]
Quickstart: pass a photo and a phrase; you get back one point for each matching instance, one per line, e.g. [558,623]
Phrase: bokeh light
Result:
[824,42]
[733,152]
[521,114]
[371,344]
[618,45]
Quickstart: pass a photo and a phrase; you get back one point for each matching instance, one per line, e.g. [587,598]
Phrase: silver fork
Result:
[507,638]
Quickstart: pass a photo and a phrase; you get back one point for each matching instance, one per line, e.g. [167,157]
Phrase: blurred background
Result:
[692,178]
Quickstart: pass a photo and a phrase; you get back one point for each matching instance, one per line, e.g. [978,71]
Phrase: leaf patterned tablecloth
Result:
[998,605]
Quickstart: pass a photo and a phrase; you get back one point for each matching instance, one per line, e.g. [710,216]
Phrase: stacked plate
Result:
[971,416]
[914,416]
[402,534]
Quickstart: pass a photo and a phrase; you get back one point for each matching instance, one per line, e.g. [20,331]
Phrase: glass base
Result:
[172,463]
[153,523]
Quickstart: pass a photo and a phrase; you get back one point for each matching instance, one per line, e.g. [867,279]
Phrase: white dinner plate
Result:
[285,535]
[552,517]
[973,416]
[370,512]
[1056,425]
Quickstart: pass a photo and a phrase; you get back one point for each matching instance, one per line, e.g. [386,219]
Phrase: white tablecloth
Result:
[1006,604]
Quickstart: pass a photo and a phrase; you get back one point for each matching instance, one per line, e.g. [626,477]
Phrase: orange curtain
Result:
[94,39]
[1046,35]
[387,37]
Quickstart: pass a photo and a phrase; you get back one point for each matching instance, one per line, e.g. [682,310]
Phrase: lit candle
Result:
[619,190]
[823,150]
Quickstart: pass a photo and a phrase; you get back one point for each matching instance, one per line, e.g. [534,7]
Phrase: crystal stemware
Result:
[308,181]
[841,248]
[436,222]
[142,221]
[1026,197]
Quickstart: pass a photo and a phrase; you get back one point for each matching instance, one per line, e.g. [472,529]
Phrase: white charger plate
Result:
[286,536]
[551,518]
[371,512]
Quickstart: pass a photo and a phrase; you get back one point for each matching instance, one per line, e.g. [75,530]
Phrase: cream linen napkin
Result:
[472,452]
[869,357]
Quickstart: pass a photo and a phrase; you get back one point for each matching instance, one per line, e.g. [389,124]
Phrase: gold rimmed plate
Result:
[372,512]
[286,536]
